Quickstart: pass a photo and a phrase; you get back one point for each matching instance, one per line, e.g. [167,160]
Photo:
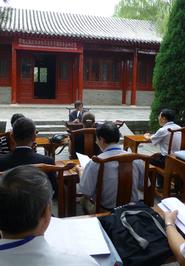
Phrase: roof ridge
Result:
[75,14]
[53,23]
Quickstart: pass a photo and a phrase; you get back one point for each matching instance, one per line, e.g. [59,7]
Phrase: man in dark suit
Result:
[24,133]
[76,115]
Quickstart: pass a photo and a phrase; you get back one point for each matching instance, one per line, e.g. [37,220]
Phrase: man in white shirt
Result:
[25,212]
[108,136]
[162,137]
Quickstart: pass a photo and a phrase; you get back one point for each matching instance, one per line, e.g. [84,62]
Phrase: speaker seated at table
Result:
[76,113]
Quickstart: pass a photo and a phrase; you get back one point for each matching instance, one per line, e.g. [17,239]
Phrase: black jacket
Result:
[25,155]
[73,115]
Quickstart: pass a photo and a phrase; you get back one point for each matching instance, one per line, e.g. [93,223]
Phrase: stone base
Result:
[143,98]
[5,95]
[102,97]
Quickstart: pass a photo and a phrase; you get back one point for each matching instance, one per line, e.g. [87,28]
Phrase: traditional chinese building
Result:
[50,57]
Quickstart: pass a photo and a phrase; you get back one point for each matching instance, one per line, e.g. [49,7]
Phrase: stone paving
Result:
[102,112]
[60,112]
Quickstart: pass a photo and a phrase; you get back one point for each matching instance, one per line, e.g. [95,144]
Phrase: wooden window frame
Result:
[101,82]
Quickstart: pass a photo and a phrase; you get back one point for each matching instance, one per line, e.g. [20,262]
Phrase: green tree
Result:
[169,71]
[154,10]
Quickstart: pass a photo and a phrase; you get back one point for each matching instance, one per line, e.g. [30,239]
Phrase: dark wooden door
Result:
[44,77]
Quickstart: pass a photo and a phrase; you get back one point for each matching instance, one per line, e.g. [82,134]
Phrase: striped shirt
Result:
[4,148]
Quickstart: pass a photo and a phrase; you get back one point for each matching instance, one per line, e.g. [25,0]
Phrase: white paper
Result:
[78,113]
[77,236]
[83,159]
[172,204]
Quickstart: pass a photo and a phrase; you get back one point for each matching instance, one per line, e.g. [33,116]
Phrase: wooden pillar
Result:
[123,87]
[14,74]
[134,78]
[80,80]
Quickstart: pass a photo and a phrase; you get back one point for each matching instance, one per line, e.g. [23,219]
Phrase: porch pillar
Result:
[80,84]
[14,74]
[134,78]
[123,79]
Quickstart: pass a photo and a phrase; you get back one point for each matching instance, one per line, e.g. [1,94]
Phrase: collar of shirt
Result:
[23,147]
[112,147]
[168,123]
[9,244]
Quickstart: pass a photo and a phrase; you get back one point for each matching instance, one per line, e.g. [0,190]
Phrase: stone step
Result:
[50,133]
[41,128]
[49,122]
[137,127]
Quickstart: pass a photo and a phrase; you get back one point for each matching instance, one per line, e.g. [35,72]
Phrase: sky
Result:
[88,7]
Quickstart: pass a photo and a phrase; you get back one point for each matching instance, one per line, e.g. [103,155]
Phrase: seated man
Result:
[76,115]
[7,143]
[88,121]
[162,137]
[24,133]
[108,136]
[25,213]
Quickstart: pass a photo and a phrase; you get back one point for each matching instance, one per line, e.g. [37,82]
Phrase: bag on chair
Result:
[57,138]
[138,235]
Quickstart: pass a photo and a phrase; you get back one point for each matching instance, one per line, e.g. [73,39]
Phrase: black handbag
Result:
[57,138]
[138,235]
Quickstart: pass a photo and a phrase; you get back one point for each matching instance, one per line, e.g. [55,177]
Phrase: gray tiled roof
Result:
[83,26]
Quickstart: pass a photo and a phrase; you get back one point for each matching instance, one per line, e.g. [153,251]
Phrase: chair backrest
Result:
[83,141]
[173,131]
[124,177]
[73,126]
[175,167]
[59,170]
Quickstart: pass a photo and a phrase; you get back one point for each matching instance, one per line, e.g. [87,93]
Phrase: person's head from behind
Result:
[78,105]
[107,134]
[24,132]
[25,201]
[15,117]
[88,120]
[166,115]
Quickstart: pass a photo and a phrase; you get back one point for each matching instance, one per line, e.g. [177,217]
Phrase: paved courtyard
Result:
[102,112]
[60,112]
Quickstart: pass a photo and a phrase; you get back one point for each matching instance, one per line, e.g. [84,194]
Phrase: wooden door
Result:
[24,78]
[44,77]
[65,79]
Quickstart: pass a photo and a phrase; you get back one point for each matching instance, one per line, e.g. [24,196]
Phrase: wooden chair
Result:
[174,167]
[71,126]
[88,137]
[162,171]
[59,170]
[124,179]
[173,131]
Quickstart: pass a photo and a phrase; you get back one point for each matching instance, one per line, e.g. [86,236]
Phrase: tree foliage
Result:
[154,10]
[169,71]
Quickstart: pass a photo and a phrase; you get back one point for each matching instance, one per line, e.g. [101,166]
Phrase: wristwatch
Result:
[169,224]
